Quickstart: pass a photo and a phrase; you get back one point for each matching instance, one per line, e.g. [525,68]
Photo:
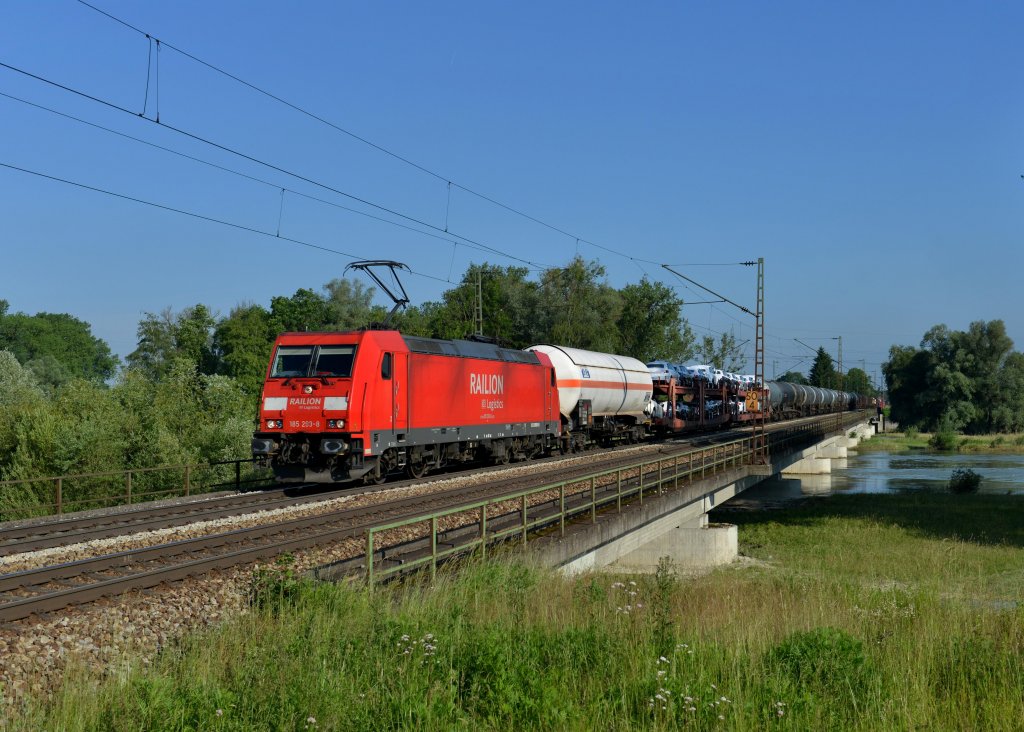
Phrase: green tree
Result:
[166,337]
[350,305]
[651,325]
[857,382]
[306,310]
[964,380]
[578,308]
[509,307]
[794,377]
[823,371]
[243,342]
[1008,415]
[906,374]
[725,353]
[54,339]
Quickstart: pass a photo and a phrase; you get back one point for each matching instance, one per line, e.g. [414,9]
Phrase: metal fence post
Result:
[188,484]
[433,547]
[641,469]
[238,475]
[524,519]
[60,496]
[128,485]
[483,531]
[593,501]
[369,557]
[561,509]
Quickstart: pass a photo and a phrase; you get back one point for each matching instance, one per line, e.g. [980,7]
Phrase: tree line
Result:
[573,306]
[188,392]
[824,374]
[961,381]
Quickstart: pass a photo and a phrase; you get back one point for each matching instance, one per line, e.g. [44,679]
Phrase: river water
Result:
[885,472]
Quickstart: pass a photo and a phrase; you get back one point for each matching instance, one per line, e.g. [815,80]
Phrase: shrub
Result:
[944,439]
[997,442]
[274,587]
[824,661]
[964,480]
[910,432]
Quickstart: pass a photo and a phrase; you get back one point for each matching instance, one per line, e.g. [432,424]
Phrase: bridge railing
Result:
[515,515]
[59,494]
[473,526]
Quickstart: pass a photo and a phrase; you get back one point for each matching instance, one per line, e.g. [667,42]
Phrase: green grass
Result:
[853,612]
[913,440]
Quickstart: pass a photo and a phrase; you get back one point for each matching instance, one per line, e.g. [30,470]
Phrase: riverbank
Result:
[913,440]
[848,612]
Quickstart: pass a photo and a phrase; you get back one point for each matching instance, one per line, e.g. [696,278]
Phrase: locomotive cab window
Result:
[385,366]
[291,361]
[335,361]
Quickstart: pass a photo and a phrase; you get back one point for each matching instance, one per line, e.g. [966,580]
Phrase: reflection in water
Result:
[882,472]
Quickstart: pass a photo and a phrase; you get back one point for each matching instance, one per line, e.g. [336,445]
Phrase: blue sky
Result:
[871,153]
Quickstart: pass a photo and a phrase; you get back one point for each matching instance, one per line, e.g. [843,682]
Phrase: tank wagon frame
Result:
[602,397]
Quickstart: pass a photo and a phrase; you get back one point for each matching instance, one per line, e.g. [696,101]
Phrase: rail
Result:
[650,475]
[91,490]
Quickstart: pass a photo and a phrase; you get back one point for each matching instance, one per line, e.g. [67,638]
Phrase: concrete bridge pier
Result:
[822,458]
[684,536]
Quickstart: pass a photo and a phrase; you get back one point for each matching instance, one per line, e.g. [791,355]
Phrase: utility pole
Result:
[841,377]
[759,452]
[760,455]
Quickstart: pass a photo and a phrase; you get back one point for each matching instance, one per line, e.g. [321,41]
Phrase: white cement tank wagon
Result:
[617,388]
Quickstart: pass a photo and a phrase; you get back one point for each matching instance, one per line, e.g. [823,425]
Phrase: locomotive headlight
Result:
[340,423]
[270,424]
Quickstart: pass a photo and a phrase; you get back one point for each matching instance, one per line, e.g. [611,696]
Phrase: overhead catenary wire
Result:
[202,217]
[272,166]
[253,178]
[242,227]
[361,139]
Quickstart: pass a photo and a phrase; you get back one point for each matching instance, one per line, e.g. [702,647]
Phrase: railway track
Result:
[45,589]
[50,588]
[33,536]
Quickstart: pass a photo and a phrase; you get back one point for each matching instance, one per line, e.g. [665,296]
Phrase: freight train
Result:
[366,404]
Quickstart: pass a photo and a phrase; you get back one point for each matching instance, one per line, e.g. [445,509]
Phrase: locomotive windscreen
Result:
[298,361]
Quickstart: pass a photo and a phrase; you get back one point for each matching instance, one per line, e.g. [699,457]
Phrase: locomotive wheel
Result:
[416,470]
[380,471]
[375,476]
[505,457]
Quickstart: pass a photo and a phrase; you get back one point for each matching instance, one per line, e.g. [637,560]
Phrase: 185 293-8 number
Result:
[300,424]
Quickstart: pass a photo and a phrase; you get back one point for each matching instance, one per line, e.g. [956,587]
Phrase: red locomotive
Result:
[363,404]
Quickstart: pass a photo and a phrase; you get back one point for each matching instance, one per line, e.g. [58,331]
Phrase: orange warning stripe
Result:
[601,384]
